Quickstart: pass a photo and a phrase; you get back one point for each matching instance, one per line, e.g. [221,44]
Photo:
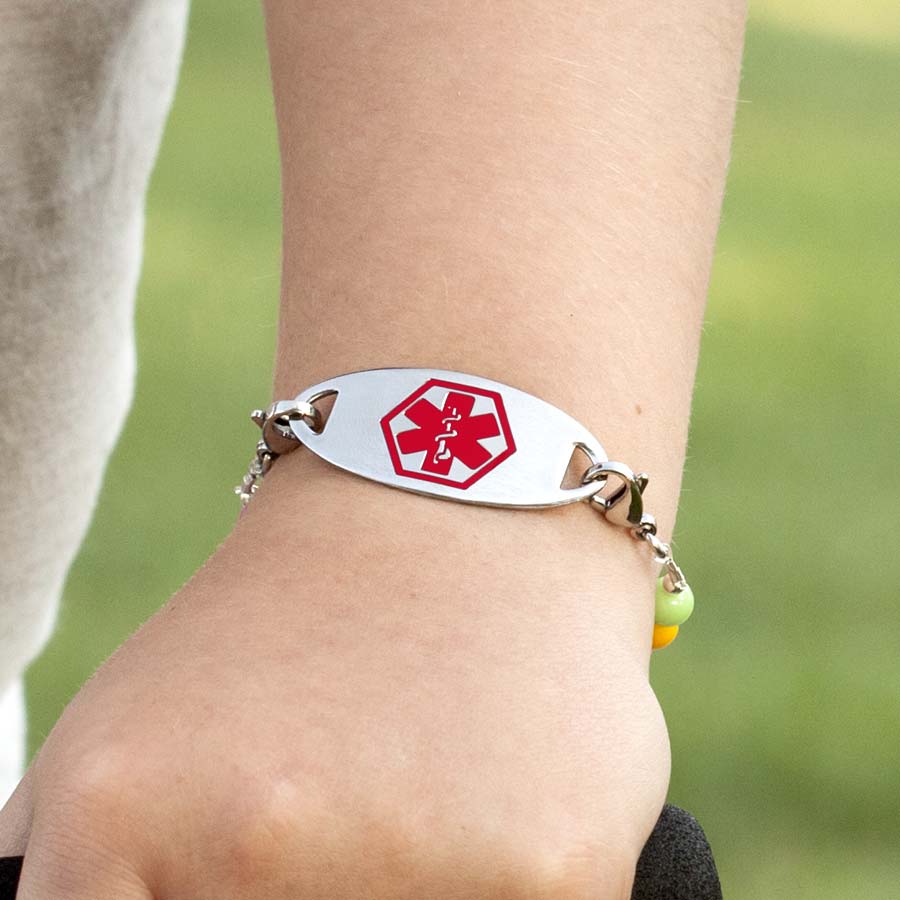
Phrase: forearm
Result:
[528,191]
[526,172]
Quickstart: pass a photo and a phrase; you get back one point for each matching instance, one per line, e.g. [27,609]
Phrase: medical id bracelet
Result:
[462,437]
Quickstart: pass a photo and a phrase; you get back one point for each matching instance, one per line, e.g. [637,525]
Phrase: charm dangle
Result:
[622,504]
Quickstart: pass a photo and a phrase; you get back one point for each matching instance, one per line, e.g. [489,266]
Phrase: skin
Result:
[368,693]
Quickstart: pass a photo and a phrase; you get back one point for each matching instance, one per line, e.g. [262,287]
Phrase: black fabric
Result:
[10,866]
[676,863]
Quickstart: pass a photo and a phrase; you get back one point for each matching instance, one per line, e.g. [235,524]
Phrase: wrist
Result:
[316,527]
[463,437]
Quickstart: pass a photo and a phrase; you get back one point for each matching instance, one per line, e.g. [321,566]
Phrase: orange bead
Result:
[663,635]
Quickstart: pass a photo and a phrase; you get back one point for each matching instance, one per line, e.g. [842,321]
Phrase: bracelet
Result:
[462,437]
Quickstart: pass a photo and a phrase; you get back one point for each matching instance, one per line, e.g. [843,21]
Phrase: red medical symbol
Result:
[459,433]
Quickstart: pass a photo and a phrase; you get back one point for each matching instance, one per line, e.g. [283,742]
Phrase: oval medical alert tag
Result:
[449,435]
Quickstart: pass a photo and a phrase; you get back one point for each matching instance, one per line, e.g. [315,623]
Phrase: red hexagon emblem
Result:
[448,433]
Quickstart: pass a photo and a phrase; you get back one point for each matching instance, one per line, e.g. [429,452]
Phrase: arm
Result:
[523,190]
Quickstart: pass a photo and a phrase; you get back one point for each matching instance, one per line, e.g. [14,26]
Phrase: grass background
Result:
[783,701]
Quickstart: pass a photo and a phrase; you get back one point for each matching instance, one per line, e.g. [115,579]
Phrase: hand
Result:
[365,693]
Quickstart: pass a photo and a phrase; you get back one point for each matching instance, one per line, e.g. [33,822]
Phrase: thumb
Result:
[16,817]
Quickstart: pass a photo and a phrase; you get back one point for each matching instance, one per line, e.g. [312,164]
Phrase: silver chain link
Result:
[674,580]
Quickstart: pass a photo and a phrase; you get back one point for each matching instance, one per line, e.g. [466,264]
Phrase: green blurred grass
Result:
[782,697]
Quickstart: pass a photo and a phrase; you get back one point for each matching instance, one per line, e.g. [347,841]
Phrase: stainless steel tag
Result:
[451,435]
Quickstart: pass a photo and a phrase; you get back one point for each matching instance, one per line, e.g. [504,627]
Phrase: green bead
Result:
[673,609]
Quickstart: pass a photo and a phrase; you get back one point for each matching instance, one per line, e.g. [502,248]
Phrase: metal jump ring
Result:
[662,552]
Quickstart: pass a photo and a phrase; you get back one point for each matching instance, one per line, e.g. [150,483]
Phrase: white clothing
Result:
[85,87]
